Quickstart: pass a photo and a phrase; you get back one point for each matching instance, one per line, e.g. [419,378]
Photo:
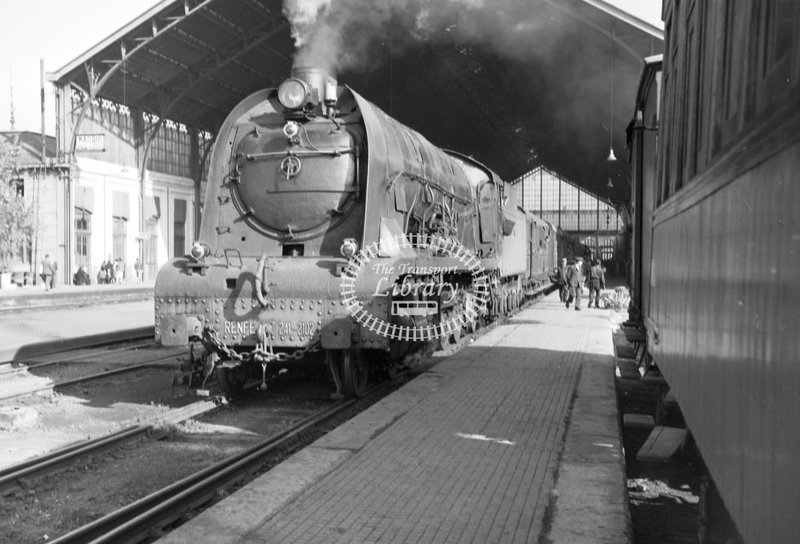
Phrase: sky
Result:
[58,31]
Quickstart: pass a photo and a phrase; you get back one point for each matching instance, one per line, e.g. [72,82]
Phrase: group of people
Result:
[111,271]
[573,277]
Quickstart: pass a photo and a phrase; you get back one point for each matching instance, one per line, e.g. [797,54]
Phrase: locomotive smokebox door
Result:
[302,189]
[336,334]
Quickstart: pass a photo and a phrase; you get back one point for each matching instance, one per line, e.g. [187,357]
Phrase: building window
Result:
[170,152]
[18,184]
[120,229]
[83,238]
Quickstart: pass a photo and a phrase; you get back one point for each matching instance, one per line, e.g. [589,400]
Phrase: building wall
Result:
[151,232]
[44,197]
[158,231]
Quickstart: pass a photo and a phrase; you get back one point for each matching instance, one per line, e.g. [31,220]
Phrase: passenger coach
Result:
[715,146]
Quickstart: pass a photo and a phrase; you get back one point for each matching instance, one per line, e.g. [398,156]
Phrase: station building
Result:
[136,115]
[107,204]
[128,204]
[39,178]
[578,213]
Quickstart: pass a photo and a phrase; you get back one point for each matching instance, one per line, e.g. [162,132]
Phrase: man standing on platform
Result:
[597,281]
[561,278]
[108,266]
[49,268]
[137,266]
[575,279]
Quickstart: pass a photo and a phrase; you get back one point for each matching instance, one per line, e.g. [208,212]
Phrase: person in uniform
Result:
[575,280]
[560,279]
[597,281]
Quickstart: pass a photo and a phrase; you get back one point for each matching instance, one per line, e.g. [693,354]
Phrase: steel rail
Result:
[99,375]
[21,367]
[134,522]
[11,478]
[67,344]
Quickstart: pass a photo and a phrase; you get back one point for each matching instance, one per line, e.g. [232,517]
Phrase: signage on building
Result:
[90,142]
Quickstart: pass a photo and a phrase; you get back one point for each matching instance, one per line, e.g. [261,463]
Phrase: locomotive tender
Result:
[310,188]
[715,159]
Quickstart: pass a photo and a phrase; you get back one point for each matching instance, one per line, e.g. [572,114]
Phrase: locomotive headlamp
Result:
[198,251]
[348,248]
[292,94]
[291,129]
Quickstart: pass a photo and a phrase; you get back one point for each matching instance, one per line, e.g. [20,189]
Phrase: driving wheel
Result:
[355,374]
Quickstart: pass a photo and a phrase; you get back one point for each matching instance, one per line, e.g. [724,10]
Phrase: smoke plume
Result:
[341,34]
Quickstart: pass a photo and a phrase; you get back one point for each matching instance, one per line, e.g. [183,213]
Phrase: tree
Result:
[15,228]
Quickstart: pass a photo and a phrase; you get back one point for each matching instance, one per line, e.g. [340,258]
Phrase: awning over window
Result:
[180,211]
[84,199]
[120,208]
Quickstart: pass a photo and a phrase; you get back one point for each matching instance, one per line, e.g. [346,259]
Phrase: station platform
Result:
[38,329]
[16,299]
[515,438]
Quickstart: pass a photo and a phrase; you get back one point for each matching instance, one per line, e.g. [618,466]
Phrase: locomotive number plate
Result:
[298,328]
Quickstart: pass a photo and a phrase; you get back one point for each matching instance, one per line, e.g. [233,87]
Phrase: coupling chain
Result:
[262,353]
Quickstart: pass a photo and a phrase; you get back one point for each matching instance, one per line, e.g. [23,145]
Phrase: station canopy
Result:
[514,83]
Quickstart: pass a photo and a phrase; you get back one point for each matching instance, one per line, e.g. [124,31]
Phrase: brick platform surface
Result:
[482,448]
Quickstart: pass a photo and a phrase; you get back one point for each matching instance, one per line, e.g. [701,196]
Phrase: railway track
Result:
[18,476]
[43,374]
[96,376]
[145,510]
[137,521]
[10,369]
[68,344]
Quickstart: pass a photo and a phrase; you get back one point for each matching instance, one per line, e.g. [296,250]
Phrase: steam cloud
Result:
[340,34]
[552,68]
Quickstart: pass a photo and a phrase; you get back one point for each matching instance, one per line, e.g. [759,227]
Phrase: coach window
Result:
[737,16]
[781,18]
[692,75]
[706,26]
[669,92]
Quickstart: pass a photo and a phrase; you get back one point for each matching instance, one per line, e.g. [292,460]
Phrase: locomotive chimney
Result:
[321,83]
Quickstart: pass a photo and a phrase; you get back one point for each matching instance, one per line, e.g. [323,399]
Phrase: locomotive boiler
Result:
[332,232]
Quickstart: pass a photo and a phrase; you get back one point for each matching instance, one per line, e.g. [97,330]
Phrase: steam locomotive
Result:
[334,234]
